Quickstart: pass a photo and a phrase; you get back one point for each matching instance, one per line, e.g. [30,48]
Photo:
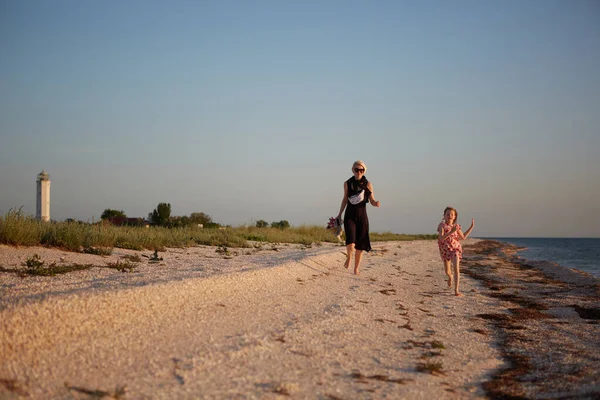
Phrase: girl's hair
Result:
[455,212]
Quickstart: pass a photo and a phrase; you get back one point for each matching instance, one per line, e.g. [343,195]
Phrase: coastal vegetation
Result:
[18,229]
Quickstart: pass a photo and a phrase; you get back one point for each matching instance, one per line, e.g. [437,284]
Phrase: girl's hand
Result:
[454,228]
[472,222]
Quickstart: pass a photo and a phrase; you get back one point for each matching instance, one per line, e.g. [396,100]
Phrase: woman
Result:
[358,191]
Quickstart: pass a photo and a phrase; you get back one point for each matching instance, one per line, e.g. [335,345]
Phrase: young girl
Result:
[449,234]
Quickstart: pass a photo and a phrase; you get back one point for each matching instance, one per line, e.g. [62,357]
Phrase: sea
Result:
[582,254]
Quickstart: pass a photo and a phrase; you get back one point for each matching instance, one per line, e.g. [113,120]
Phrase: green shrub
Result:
[261,223]
[35,266]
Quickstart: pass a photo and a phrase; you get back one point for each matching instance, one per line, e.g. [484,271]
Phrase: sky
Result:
[253,110]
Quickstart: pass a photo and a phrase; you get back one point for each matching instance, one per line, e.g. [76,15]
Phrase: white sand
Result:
[291,323]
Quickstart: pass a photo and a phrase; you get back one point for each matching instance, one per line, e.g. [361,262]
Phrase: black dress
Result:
[356,222]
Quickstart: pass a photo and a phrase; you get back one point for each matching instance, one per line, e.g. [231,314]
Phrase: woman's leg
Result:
[357,259]
[456,265]
[349,251]
[448,271]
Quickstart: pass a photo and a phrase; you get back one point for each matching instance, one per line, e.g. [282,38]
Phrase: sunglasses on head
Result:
[359,170]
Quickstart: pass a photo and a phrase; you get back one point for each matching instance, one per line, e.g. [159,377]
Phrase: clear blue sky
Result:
[250,110]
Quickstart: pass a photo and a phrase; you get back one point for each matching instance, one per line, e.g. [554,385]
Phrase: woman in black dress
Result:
[358,191]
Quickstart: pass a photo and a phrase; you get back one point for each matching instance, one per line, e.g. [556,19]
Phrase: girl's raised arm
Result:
[463,236]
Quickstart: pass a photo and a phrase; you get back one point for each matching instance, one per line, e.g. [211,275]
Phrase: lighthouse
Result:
[42,209]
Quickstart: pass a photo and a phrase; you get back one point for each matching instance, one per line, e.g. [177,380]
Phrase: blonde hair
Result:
[359,163]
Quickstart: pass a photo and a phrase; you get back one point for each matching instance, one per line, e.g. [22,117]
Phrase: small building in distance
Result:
[42,209]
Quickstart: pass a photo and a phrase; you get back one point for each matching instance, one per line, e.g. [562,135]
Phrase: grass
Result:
[38,267]
[121,266]
[35,266]
[18,229]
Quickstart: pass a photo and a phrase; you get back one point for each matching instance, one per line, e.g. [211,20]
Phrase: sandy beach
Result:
[288,321]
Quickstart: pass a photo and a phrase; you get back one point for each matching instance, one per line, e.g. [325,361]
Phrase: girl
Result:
[449,234]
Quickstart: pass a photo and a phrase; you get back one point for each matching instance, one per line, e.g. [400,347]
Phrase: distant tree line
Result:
[161,216]
[261,223]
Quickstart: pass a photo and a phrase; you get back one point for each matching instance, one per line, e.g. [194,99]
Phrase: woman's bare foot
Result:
[458,294]
[356,272]
[347,262]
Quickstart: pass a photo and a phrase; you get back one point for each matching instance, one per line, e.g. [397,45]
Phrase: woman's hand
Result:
[472,223]
[376,203]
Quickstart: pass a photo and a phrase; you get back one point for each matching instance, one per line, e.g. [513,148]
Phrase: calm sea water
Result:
[583,254]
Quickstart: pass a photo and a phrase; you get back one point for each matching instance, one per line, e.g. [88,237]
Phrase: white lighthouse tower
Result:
[42,209]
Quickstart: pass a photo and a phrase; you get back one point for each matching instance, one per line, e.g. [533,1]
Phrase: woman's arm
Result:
[344,200]
[463,236]
[372,200]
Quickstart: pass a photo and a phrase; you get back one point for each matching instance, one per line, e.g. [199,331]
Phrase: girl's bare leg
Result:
[448,271]
[357,259]
[349,251]
[456,265]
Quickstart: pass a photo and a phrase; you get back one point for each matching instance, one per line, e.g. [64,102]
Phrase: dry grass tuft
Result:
[383,378]
[133,258]
[36,266]
[121,266]
[117,394]
[98,251]
[432,368]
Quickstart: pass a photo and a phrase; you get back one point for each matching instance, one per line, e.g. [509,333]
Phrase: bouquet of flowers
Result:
[332,222]
[336,223]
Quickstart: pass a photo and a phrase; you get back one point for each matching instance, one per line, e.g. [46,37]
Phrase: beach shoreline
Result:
[276,322]
[549,330]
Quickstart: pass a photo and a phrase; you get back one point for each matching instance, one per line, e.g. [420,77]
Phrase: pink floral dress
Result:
[450,246]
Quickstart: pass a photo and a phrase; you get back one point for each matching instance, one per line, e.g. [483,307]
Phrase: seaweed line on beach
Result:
[549,332]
